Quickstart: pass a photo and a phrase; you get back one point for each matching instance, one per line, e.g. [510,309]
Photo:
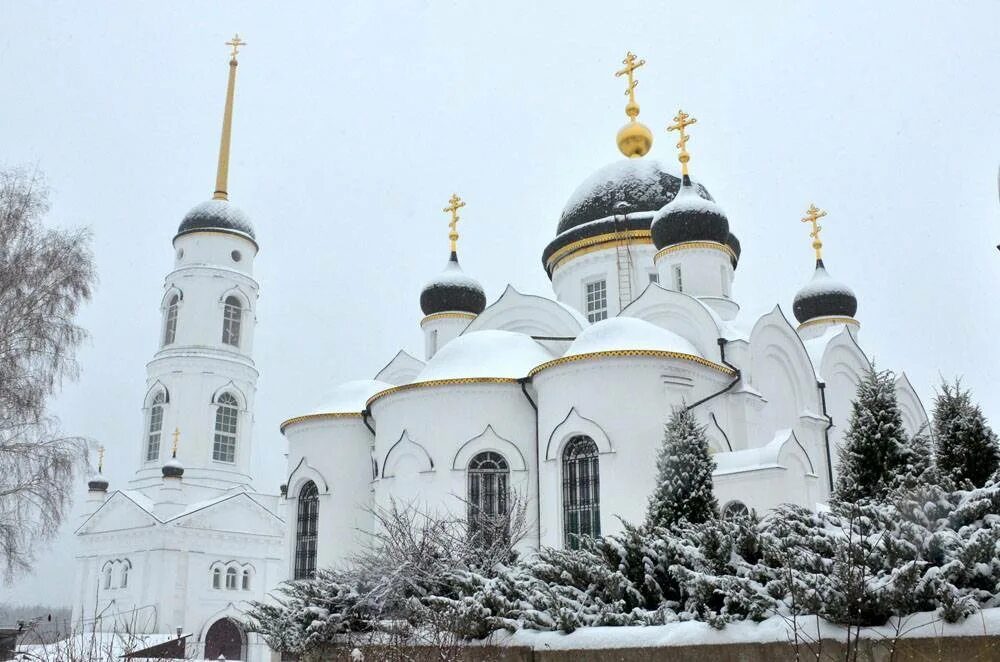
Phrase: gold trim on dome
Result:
[687,245]
[315,417]
[440,382]
[651,353]
[591,244]
[831,319]
[436,316]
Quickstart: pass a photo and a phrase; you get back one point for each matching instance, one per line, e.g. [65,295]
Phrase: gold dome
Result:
[635,139]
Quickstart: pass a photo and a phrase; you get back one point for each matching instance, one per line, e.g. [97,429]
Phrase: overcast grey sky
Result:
[354,122]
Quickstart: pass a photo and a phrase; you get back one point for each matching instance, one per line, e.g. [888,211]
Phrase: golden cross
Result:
[630,66]
[176,435]
[813,214]
[454,204]
[100,459]
[681,122]
[235,42]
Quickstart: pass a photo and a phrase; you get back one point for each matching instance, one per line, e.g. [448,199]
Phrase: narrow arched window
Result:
[232,317]
[155,427]
[107,576]
[231,578]
[306,530]
[489,477]
[217,578]
[246,580]
[123,583]
[170,326]
[224,448]
[581,490]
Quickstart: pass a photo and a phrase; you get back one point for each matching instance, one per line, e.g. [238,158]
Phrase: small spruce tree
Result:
[917,462]
[966,448]
[684,475]
[874,454]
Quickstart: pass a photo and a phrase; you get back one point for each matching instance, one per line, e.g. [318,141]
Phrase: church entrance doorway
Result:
[224,638]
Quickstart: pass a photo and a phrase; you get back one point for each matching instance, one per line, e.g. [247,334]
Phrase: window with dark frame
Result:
[597,301]
[489,485]
[226,415]
[170,328]
[155,427]
[581,490]
[232,318]
[307,521]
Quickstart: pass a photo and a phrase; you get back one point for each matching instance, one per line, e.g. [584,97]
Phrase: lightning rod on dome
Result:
[813,214]
[222,176]
[635,138]
[681,122]
[454,204]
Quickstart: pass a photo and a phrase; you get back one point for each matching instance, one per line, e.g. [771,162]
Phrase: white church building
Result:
[559,401]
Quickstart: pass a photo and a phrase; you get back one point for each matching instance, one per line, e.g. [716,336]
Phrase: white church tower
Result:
[146,564]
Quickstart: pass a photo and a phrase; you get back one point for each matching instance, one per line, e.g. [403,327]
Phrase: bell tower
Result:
[202,379]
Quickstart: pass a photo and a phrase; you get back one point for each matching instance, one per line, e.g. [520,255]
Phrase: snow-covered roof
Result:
[485,354]
[822,283]
[636,180]
[349,397]
[453,276]
[629,333]
[760,458]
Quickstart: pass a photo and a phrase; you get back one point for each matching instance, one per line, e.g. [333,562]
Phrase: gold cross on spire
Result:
[681,122]
[100,459]
[813,214]
[176,435]
[631,63]
[454,204]
[235,42]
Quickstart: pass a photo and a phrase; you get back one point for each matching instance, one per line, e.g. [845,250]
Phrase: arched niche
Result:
[489,440]
[574,425]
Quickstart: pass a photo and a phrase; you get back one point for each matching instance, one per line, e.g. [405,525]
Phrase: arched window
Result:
[305,532]
[107,576]
[231,578]
[246,580]
[170,327]
[489,477]
[123,583]
[232,317]
[224,448]
[735,510]
[155,427]
[581,490]
[217,578]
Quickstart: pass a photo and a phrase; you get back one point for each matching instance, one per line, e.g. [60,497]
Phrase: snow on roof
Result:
[636,177]
[632,215]
[139,499]
[754,459]
[688,199]
[629,333]
[577,315]
[488,353]
[349,397]
[823,283]
[95,645]
[453,276]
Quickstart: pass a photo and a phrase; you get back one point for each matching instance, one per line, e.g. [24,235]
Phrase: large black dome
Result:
[97,483]
[217,215]
[689,217]
[452,291]
[824,297]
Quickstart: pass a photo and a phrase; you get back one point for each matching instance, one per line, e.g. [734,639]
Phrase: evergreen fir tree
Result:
[965,446]
[874,453]
[917,462]
[684,475]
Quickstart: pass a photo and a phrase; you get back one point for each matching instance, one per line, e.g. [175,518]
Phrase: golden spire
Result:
[222,177]
[100,459]
[454,204]
[176,435]
[635,138]
[813,214]
[681,121]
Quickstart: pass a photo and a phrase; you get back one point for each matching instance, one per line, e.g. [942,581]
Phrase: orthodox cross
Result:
[235,42]
[100,459]
[813,214]
[454,204]
[631,64]
[176,435]
[681,122]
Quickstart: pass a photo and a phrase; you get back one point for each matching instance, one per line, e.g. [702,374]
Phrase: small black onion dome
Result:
[217,215]
[734,245]
[97,483]
[173,468]
[452,291]
[824,297]
[689,217]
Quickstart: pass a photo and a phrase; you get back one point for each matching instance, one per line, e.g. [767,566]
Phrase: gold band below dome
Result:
[832,319]
[599,242]
[690,245]
[440,382]
[649,353]
[447,315]
[316,417]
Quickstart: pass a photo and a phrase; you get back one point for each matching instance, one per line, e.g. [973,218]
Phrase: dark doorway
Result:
[224,638]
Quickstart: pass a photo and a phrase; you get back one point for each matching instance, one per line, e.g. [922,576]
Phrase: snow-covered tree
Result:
[875,446]
[917,462]
[683,475]
[966,448]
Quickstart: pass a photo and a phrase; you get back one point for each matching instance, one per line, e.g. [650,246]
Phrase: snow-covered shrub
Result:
[966,448]
[683,474]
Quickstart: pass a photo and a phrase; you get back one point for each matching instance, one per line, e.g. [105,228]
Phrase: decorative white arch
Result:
[680,313]
[912,409]
[152,391]
[404,447]
[236,291]
[774,342]
[301,474]
[574,424]
[489,440]
[230,611]
[232,388]
[171,291]
[529,314]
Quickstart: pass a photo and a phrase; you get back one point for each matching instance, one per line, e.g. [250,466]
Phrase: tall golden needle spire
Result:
[813,214]
[222,177]
[454,204]
[635,138]
[100,459]
[176,435]
[681,122]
